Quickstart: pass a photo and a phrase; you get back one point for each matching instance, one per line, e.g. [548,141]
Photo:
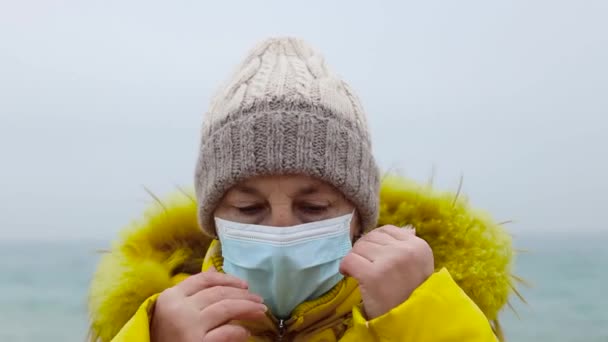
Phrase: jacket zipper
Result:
[281,327]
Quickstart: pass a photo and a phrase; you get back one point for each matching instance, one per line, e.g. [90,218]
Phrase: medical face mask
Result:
[286,265]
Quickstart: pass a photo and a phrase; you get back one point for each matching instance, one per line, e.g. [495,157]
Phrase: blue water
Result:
[567,300]
[43,289]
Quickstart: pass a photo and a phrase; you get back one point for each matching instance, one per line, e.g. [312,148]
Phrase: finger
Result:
[395,232]
[227,333]
[203,280]
[208,296]
[369,250]
[355,266]
[230,309]
[378,238]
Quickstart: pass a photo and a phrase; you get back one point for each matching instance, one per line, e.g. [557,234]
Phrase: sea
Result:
[43,288]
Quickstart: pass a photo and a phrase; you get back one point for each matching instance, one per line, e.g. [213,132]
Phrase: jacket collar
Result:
[330,310]
[167,243]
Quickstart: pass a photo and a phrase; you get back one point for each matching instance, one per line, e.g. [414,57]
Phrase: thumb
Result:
[354,265]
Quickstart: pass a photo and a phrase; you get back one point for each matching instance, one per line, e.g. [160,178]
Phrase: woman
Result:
[292,247]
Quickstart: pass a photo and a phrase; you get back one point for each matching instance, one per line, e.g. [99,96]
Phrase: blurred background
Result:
[99,99]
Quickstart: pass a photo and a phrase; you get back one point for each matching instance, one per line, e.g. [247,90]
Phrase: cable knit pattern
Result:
[284,112]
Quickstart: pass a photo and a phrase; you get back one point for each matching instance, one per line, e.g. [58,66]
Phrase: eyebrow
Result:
[307,190]
[246,190]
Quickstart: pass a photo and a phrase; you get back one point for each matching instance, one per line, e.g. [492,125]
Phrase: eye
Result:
[250,209]
[314,209]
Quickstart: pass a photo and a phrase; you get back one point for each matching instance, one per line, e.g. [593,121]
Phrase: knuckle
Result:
[389,228]
[422,248]
[428,253]
[426,245]
[394,263]
[171,307]
[202,280]
[221,292]
[405,253]
[378,232]
[348,259]
[356,249]
[168,296]
[224,308]
[162,297]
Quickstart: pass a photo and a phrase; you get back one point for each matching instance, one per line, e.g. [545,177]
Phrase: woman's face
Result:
[284,201]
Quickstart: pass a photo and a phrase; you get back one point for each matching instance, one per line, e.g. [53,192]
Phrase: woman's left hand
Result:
[389,263]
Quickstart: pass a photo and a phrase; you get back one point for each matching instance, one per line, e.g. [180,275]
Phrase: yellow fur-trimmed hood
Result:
[167,241]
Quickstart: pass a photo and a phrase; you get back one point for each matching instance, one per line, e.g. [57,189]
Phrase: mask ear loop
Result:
[359,234]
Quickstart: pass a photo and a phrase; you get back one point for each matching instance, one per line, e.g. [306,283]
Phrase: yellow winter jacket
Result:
[459,302]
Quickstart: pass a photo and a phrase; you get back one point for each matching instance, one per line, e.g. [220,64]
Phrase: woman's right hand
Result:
[200,309]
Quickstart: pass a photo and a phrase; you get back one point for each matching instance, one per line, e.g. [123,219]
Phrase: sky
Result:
[101,99]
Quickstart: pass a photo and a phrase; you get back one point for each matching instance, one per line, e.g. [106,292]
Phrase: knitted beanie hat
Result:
[285,112]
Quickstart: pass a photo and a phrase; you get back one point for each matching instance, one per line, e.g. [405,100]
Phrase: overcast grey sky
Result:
[101,98]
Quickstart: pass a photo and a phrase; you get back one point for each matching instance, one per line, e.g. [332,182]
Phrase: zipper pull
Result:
[281,329]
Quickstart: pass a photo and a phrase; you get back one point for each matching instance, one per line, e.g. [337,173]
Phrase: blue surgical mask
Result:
[286,265]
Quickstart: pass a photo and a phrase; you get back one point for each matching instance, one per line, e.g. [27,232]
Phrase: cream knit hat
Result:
[285,112]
